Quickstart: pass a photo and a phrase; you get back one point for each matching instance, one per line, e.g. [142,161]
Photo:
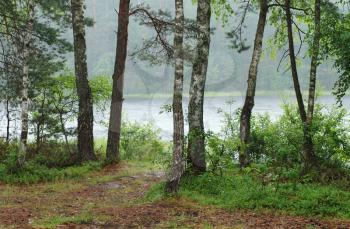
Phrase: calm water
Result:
[150,110]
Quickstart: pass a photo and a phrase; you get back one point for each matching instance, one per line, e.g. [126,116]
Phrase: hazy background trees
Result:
[227,68]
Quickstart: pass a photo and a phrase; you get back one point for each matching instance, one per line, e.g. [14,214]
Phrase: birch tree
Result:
[196,137]
[178,118]
[25,47]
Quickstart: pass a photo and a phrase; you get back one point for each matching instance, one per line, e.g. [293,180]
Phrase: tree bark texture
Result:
[252,78]
[172,184]
[85,116]
[25,55]
[309,154]
[196,138]
[113,142]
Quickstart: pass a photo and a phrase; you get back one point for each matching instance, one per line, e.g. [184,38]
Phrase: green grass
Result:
[34,173]
[237,191]
[54,221]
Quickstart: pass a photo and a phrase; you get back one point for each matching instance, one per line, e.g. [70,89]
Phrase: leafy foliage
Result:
[142,142]
[277,145]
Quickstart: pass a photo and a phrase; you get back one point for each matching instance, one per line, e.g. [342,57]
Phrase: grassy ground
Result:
[120,197]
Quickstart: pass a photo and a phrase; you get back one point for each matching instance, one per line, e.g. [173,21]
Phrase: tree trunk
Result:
[308,149]
[250,94]
[85,115]
[40,121]
[293,64]
[196,136]
[63,129]
[308,144]
[172,184]
[8,118]
[25,51]
[115,119]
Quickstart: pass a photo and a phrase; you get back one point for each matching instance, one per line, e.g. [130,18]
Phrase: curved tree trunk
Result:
[85,116]
[178,118]
[308,148]
[115,119]
[293,64]
[196,136]
[252,76]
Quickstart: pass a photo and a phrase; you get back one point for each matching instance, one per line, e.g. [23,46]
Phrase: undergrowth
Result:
[240,191]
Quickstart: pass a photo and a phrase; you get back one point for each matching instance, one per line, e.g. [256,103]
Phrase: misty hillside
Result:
[227,70]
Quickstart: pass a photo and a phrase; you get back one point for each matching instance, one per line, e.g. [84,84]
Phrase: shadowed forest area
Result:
[271,150]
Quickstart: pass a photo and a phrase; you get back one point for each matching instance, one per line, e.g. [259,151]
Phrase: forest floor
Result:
[113,198]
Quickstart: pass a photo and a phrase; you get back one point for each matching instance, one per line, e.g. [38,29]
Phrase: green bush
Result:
[143,142]
[278,145]
[48,162]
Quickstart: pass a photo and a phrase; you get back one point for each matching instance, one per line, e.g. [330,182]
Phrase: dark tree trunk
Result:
[85,116]
[172,184]
[252,76]
[115,119]
[293,64]
[196,136]
[308,149]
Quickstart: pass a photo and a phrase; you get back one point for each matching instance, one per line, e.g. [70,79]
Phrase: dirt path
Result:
[110,199]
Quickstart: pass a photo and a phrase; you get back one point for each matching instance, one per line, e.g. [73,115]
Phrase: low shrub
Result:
[277,145]
[143,142]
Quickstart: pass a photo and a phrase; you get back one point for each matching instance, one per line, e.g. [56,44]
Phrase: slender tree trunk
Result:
[308,144]
[308,149]
[293,64]
[118,84]
[195,109]
[27,39]
[63,129]
[85,116]
[250,94]
[172,184]
[40,120]
[8,118]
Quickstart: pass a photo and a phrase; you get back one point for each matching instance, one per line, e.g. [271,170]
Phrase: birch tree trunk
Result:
[308,143]
[25,53]
[115,119]
[196,136]
[172,184]
[252,77]
[8,118]
[85,116]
